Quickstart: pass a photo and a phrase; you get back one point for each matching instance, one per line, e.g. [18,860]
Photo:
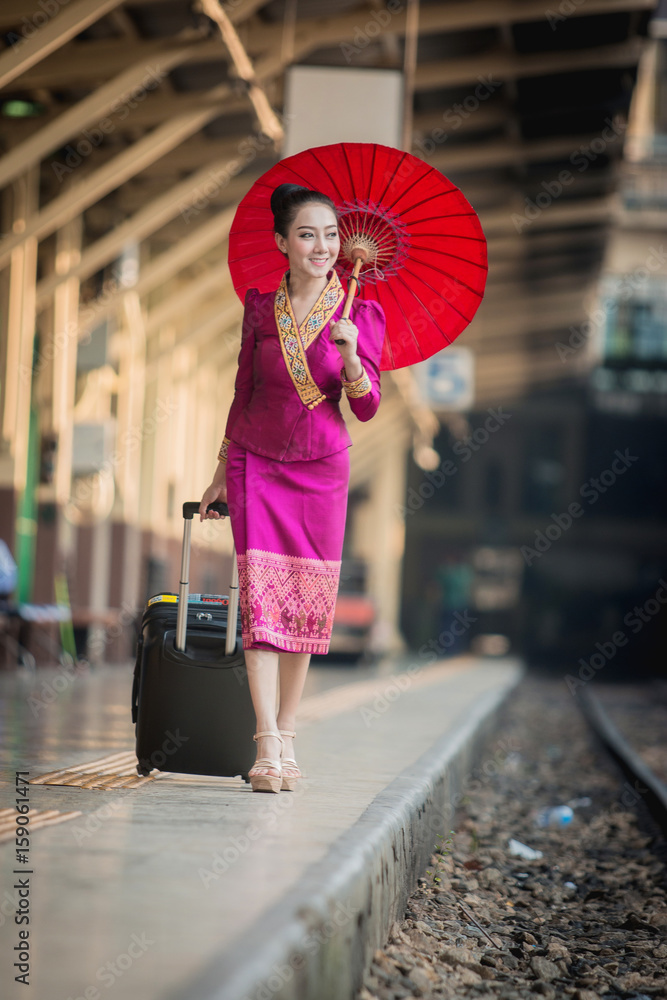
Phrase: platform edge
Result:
[344,906]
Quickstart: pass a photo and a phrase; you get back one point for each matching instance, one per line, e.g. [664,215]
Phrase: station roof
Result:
[127,110]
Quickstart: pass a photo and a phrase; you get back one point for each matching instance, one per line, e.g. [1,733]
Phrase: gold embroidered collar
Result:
[295,340]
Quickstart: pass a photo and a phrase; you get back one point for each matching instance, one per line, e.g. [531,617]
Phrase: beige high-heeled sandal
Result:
[289,780]
[266,782]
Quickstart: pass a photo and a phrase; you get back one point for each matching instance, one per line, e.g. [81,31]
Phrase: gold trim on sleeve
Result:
[360,387]
[224,448]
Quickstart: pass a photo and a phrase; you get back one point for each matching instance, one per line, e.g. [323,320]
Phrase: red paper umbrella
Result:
[408,232]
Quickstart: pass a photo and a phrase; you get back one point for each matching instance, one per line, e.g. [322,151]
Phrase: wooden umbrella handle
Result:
[352,291]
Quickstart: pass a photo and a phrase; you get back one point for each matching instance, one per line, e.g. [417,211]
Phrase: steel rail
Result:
[654,791]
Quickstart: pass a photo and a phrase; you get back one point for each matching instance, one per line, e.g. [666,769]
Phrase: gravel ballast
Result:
[588,919]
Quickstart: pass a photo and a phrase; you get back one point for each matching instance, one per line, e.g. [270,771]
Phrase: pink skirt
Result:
[288,521]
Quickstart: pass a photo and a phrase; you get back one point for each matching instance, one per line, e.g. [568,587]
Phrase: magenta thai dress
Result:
[288,464]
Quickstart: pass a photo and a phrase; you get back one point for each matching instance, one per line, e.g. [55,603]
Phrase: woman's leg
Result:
[293,670]
[262,666]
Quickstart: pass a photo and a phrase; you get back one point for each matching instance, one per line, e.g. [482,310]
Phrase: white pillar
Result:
[63,386]
[380,539]
[20,329]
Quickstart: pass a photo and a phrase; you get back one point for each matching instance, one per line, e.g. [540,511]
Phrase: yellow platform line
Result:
[45,817]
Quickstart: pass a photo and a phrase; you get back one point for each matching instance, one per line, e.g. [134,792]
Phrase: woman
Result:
[284,466]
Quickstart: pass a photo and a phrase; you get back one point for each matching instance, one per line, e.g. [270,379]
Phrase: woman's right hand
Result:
[216,491]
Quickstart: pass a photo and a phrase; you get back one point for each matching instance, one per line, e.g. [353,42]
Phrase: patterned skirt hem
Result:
[286,642]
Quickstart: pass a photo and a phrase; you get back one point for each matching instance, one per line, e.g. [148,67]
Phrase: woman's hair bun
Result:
[287,199]
[280,194]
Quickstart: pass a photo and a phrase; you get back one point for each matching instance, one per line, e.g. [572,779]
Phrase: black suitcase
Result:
[191,701]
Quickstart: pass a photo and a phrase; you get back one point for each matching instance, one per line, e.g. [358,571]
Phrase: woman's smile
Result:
[313,243]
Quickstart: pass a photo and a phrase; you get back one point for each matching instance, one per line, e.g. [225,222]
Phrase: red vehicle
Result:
[354,616]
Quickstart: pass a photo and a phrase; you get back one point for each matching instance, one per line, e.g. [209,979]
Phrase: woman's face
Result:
[313,243]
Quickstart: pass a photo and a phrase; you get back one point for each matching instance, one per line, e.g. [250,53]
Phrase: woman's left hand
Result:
[346,331]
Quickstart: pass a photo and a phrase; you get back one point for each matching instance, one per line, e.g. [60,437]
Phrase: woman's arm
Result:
[363,392]
[243,387]
[243,384]
[216,491]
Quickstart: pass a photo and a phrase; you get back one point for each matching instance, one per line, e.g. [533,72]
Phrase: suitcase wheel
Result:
[143,771]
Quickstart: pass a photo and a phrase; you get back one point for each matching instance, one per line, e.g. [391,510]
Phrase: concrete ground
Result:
[192,888]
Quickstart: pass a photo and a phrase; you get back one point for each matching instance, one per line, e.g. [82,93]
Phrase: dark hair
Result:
[287,199]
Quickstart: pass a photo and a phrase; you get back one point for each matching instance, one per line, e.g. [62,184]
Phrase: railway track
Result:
[651,790]
[581,909]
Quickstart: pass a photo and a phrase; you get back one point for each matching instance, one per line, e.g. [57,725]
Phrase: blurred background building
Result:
[511,493]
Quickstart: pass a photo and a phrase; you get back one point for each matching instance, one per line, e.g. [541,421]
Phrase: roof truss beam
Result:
[184,199]
[114,95]
[115,172]
[110,55]
[161,269]
[433,19]
[87,63]
[56,32]
[498,66]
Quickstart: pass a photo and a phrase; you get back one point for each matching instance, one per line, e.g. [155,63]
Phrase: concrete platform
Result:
[183,889]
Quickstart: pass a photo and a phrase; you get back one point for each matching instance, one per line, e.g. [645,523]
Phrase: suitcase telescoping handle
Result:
[190,508]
